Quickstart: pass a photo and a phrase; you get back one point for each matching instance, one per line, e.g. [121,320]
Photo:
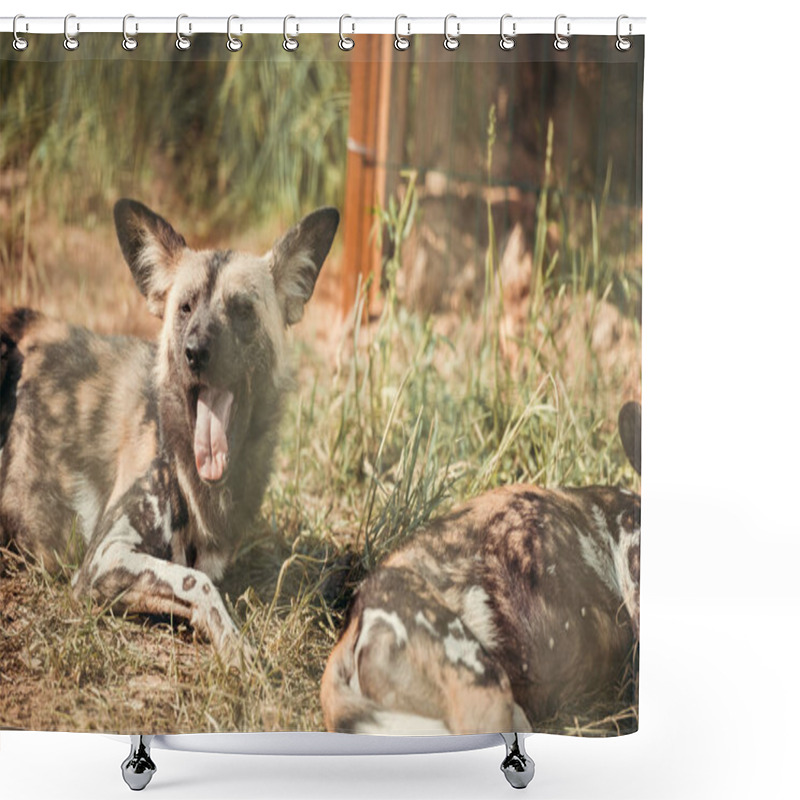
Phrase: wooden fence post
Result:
[367,144]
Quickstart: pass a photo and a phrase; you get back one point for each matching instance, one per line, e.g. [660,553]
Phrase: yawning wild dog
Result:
[157,457]
[495,616]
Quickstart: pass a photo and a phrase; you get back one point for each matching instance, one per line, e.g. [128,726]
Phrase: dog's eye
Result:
[186,309]
[243,316]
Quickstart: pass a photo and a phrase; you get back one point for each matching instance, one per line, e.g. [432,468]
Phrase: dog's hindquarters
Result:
[495,618]
[343,705]
[409,664]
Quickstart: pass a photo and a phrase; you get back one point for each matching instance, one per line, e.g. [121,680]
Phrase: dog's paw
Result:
[237,653]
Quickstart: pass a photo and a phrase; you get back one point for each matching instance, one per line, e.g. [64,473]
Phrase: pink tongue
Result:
[210,441]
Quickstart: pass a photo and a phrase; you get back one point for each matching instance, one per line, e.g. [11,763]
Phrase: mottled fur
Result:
[97,432]
[495,617]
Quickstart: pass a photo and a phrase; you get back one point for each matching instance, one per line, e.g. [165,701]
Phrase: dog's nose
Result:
[197,354]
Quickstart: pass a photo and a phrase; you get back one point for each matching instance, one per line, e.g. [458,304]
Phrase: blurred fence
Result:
[429,112]
[229,140]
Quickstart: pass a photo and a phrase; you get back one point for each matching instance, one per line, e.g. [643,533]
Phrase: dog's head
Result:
[224,315]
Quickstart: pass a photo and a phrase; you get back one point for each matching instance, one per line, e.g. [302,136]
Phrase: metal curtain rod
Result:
[297,26]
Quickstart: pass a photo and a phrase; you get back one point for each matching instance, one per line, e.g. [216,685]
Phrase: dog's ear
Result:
[630,431]
[297,259]
[152,249]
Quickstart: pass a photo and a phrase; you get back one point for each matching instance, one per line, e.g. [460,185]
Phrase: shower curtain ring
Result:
[182,42]
[128,42]
[507,42]
[401,42]
[234,44]
[345,42]
[623,44]
[561,42]
[70,42]
[451,42]
[290,43]
[19,43]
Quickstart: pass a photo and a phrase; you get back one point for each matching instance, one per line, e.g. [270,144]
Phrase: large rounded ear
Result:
[152,249]
[297,259]
[630,431]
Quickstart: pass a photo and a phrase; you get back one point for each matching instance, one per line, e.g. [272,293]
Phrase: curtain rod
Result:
[347,25]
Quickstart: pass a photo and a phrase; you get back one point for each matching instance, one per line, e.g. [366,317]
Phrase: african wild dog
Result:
[496,616]
[157,456]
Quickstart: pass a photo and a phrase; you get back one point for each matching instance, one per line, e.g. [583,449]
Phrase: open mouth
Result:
[212,408]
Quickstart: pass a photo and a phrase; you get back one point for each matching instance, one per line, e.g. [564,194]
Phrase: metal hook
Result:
[233,44]
[290,43]
[507,42]
[623,44]
[128,42]
[401,42]
[19,43]
[182,42]
[345,42]
[561,42]
[451,42]
[70,42]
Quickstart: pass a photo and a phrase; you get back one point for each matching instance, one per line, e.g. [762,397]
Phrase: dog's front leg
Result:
[119,573]
[145,584]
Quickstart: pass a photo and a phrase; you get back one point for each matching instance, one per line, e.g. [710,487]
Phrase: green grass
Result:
[239,137]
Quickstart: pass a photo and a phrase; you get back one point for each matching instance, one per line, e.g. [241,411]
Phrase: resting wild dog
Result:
[495,616]
[157,456]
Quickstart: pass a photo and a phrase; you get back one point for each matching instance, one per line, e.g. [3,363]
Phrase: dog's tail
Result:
[12,327]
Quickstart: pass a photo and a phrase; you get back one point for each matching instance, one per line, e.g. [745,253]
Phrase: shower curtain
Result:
[320,375]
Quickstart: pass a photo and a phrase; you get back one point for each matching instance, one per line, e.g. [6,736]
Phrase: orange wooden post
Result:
[367,143]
